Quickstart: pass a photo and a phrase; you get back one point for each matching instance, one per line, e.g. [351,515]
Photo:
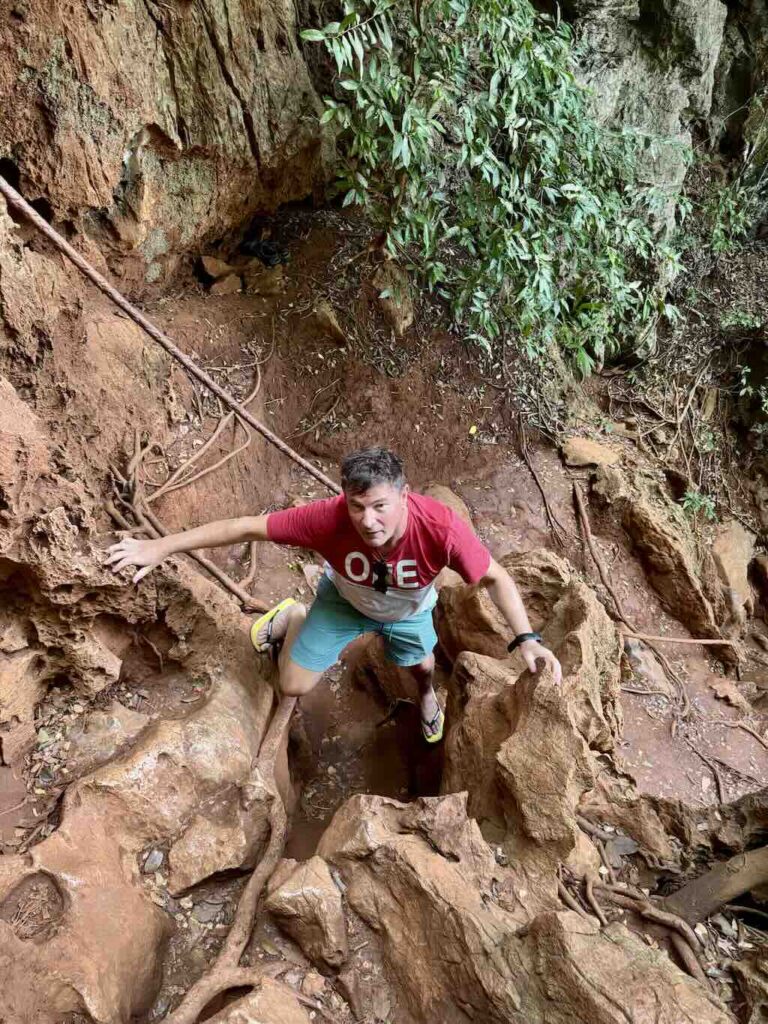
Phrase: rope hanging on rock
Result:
[157,335]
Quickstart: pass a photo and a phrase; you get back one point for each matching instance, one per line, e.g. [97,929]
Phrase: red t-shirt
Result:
[434,537]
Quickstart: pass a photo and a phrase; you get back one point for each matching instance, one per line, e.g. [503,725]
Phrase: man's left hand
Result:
[532,649]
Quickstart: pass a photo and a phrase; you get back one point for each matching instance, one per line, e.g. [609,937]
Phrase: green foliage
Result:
[464,133]
[743,318]
[732,211]
[695,503]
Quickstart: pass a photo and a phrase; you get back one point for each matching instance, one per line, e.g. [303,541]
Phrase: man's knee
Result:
[424,669]
[295,681]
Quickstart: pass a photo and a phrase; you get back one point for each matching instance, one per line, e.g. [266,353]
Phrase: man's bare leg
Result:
[424,673]
[295,681]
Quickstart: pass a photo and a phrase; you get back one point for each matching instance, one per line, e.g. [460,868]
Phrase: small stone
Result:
[226,285]
[215,268]
[187,903]
[327,321]
[582,451]
[313,985]
[260,280]
[206,912]
[152,861]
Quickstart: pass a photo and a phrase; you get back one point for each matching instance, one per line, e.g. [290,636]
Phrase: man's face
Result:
[378,512]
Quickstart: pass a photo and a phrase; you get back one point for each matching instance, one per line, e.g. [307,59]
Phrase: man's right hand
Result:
[145,553]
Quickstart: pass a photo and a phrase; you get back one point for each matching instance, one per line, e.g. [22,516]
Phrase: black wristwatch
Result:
[521,638]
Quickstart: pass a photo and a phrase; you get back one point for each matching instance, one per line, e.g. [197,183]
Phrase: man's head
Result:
[377,494]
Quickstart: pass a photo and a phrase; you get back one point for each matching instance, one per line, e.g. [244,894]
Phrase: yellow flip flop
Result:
[266,619]
[438,717]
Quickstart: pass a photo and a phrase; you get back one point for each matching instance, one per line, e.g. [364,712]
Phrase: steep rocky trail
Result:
[133,717]
[175,845]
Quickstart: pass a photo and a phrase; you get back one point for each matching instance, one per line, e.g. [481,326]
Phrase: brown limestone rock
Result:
[397,303]
[106,953]
[159,121]
[467,619]
[437,905]
[683,576]
[733,550]
[308,906]
[229,285]
[520,745]
[582,451]
[102,735]
[611,974]
[271,1003]
[215,268]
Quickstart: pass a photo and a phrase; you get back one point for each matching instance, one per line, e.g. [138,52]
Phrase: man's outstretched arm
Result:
[148,553]
[505,595]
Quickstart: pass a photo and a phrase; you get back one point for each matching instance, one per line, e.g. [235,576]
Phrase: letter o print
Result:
[357,577]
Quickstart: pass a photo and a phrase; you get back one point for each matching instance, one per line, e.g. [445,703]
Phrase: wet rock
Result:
[215,268]
[396,303]
[308,906]
[271,1003]
[582,451]
[733,550]
[229,285]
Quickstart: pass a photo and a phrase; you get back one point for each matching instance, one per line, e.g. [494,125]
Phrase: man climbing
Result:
[384,547]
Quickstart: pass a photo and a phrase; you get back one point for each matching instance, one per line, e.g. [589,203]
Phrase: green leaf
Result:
[312,35]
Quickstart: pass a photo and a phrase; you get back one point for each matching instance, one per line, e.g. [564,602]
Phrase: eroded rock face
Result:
[156,127]
[271,1003]
[660,71]
[684,577]
[307,904]
[733,550]
[99,950]
[469,621]
[446,922]
[519,744]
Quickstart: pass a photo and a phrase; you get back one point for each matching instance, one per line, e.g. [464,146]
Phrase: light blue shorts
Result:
[332,623]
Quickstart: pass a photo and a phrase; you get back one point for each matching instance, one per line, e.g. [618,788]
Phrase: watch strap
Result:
[520,639]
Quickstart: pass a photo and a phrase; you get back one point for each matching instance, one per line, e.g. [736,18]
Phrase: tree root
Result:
[570,901]
[589,883]
[559,532]
[174,481]
[682,935]
[722,884]
[151,525]
[225,973]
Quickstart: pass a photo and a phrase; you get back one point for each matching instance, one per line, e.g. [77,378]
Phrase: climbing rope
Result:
[157,335]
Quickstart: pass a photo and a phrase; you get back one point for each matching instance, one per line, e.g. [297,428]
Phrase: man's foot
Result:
[271,628]
[432,717]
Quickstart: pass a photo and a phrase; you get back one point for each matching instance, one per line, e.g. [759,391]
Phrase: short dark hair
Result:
[371,466]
